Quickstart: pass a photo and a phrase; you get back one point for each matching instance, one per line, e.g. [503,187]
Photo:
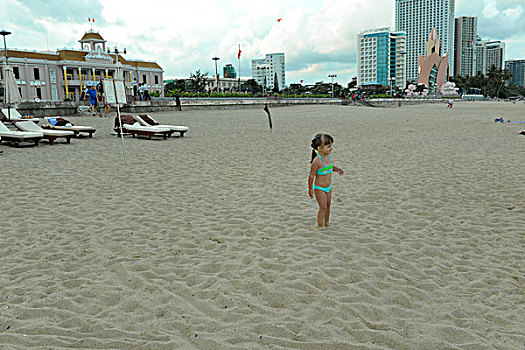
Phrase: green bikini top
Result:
[325,170]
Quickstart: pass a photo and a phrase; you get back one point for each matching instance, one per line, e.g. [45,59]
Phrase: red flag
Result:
[279,20]
[239,53]
[89,19]
[93,20]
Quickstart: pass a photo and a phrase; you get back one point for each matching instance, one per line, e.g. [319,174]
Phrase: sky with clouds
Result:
[318,37]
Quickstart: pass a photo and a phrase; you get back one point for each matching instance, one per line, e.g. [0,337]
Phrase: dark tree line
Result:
[493,84]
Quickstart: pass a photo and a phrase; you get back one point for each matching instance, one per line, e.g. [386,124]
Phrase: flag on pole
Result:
[239,53]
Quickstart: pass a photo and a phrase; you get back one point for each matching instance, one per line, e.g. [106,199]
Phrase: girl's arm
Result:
[311,178]
[339,170]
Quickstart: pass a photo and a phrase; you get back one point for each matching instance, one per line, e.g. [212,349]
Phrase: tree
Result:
[177,85]
[353,83]
[296,89]
[275,84]
[198,81]
[252,86]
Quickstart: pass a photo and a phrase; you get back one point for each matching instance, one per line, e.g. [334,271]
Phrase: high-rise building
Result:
[229,71]
[417,18]
[381,58]
[270,71]
[488,54]
[465,46]
[480,52]
[495,55]
[517,68]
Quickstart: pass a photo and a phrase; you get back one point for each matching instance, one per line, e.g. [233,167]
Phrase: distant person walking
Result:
[177,101]
[450,103]
[135,88]
[93,98]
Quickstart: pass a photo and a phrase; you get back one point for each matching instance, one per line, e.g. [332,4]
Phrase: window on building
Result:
[36,73]
[39,92]
[156,79]
[16,72]
[144,78]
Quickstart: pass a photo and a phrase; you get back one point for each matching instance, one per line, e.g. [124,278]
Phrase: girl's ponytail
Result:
[314,154]
[316,142]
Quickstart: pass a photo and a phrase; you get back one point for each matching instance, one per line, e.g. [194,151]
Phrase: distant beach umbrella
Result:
[11,93]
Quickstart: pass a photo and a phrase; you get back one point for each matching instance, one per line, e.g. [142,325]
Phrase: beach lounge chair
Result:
[133,127]
[147,120]
[50,135]
[59,123]
[15,116]
[16,137]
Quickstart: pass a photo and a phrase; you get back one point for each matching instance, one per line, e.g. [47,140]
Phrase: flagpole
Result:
[239,57]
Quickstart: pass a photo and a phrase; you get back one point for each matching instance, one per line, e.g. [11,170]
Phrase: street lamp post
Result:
[332,76]
[4,33]
[216,73]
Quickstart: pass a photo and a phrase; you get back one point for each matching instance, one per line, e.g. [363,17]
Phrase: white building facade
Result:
[270,71]
[489,53]
[55,76]
[417,18]
[381,58]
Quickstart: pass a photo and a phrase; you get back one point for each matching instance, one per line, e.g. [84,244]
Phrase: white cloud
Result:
[490,10]
[317,36]
[514,13]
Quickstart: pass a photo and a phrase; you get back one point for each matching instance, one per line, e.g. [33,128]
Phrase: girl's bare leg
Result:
[327,213]
[321,196]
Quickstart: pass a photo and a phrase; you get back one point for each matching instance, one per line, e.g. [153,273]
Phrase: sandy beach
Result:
[210,241]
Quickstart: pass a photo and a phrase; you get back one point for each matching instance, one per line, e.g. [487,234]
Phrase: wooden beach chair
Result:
[16,137]
[133,127]
[15,116]
[50,135]
[59,123]
[146,120]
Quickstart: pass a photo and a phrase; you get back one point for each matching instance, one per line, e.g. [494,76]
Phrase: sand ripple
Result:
[209,241]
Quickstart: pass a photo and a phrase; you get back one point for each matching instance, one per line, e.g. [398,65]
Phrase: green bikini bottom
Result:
[325,189]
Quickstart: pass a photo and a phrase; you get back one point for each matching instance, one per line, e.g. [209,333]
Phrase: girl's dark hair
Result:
[319,141]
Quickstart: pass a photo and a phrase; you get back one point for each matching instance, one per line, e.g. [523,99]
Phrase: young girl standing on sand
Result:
[320,179]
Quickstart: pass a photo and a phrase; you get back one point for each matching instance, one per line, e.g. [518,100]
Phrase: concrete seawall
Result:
[64,108]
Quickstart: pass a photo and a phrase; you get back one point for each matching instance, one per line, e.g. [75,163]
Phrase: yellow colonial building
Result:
[55,76]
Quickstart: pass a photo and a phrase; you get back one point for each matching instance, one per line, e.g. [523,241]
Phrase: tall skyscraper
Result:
[266,70]
[488,54]
[381,58]
[517,68]
[481,55]
[465,46]
[417,18]
[495,55]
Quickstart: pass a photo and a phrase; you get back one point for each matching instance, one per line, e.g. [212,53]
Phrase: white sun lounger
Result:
[133,127]
[50,135]
[15,116]
[147,120]
[52,123]
[18,136]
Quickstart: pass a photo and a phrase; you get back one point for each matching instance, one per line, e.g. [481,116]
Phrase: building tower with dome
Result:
[61,75]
